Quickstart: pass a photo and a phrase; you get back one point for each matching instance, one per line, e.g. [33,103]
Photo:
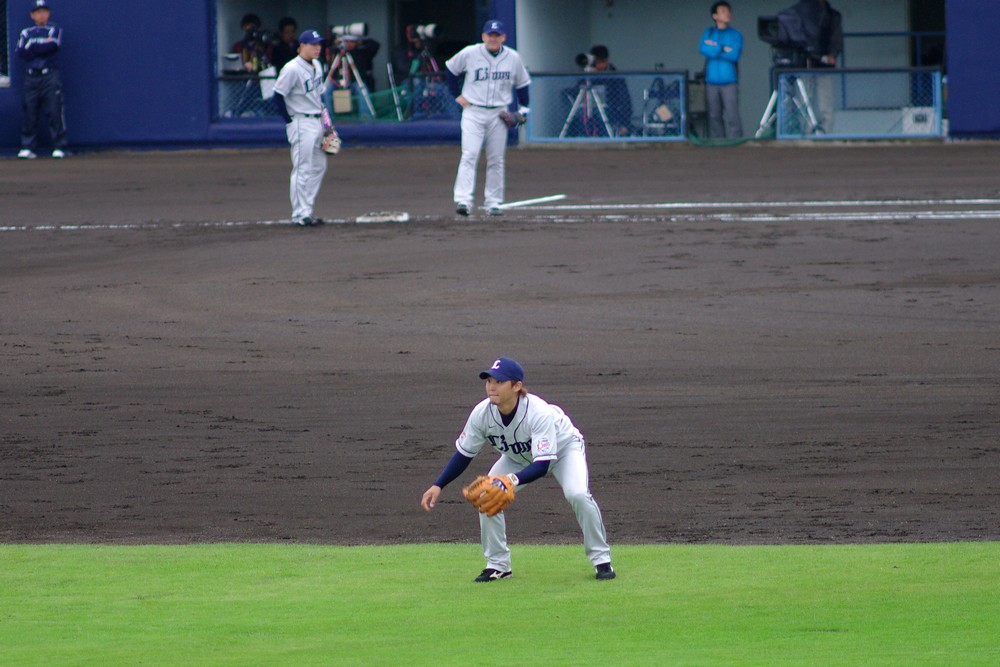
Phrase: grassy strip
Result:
[925,604]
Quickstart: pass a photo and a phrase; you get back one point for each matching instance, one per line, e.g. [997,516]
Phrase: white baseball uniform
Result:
[300,82]
[539,431]
[489,84]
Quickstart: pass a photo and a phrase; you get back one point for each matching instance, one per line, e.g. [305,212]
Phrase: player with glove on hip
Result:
[493,73]
[535,439]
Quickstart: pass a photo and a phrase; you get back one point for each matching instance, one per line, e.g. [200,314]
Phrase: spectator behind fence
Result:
[722,45]
[43,97]
[287,46]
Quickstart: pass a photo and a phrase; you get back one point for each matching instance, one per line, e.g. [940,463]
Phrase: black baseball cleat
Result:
[494,211]
[316,222]
[489,574]
[605,571]
[462,209]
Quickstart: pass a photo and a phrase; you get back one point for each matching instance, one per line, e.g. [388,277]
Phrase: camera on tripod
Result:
[359,29]
[427,31]
[585,60]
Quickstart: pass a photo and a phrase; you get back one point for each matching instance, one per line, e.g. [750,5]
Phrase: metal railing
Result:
[857,103]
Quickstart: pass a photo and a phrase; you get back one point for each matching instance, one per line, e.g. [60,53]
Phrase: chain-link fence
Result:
[595,107]
[858,104]
[242,96]
[419,97]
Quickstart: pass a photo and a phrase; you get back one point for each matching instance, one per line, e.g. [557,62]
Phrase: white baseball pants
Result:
[308,164]
[481,127]
[571,473]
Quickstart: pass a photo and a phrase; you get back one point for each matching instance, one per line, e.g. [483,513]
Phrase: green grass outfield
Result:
[236,604]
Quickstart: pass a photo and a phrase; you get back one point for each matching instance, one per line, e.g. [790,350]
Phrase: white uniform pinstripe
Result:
[489,84]
[539,431]
[300,82]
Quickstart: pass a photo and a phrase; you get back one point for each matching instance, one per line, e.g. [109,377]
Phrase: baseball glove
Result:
[331,142]
[512,118]
[490,495]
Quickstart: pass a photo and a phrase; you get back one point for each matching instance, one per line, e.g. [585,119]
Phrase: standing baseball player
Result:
[297,96]
[43,96]
[492,73]
[534,438]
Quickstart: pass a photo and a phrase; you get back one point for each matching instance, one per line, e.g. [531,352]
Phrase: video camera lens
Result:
[427,31]
[359,29]
[584,60]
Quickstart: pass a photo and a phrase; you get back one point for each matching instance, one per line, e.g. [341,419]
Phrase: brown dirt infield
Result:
[788,379]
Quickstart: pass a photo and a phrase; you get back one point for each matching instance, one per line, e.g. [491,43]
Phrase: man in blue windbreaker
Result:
[722,46]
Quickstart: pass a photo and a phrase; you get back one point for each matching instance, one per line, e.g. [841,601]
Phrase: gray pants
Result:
[571,473]
[723,111]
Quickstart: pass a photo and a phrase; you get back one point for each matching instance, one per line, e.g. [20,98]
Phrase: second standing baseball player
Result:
[297,96]
[493,75]
[534,439]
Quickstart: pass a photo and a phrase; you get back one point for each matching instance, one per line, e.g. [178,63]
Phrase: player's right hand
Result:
[430,498]
[464,103]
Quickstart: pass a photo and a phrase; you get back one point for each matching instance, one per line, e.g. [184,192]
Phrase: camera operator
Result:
[362,51]
[255,46]
[255,51]
[722,45]
[617,100]
[408,58]
[824,31]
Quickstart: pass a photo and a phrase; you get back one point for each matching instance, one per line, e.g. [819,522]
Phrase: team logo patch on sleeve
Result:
[544,446]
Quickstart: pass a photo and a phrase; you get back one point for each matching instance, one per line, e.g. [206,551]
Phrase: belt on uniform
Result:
[308,115]
[480,106]
[39,72]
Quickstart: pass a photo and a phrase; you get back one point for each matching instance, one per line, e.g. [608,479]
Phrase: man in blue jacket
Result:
[722,46]
[39,47]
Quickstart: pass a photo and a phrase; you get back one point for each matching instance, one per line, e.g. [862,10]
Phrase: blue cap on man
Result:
[310,37]
[504,369]
[40,4]
[492,26]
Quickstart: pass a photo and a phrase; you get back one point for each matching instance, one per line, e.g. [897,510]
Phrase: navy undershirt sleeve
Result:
[533,471]
[279,101]
[456,466]
[522,96]
[454,82]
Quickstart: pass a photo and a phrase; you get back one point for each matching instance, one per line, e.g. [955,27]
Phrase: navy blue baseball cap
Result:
[494,26]
[310,37]
[504,369]
[40,4]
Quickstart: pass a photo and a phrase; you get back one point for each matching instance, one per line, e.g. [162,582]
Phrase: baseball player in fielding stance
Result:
[492,73]
[534,439]
[297,96]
